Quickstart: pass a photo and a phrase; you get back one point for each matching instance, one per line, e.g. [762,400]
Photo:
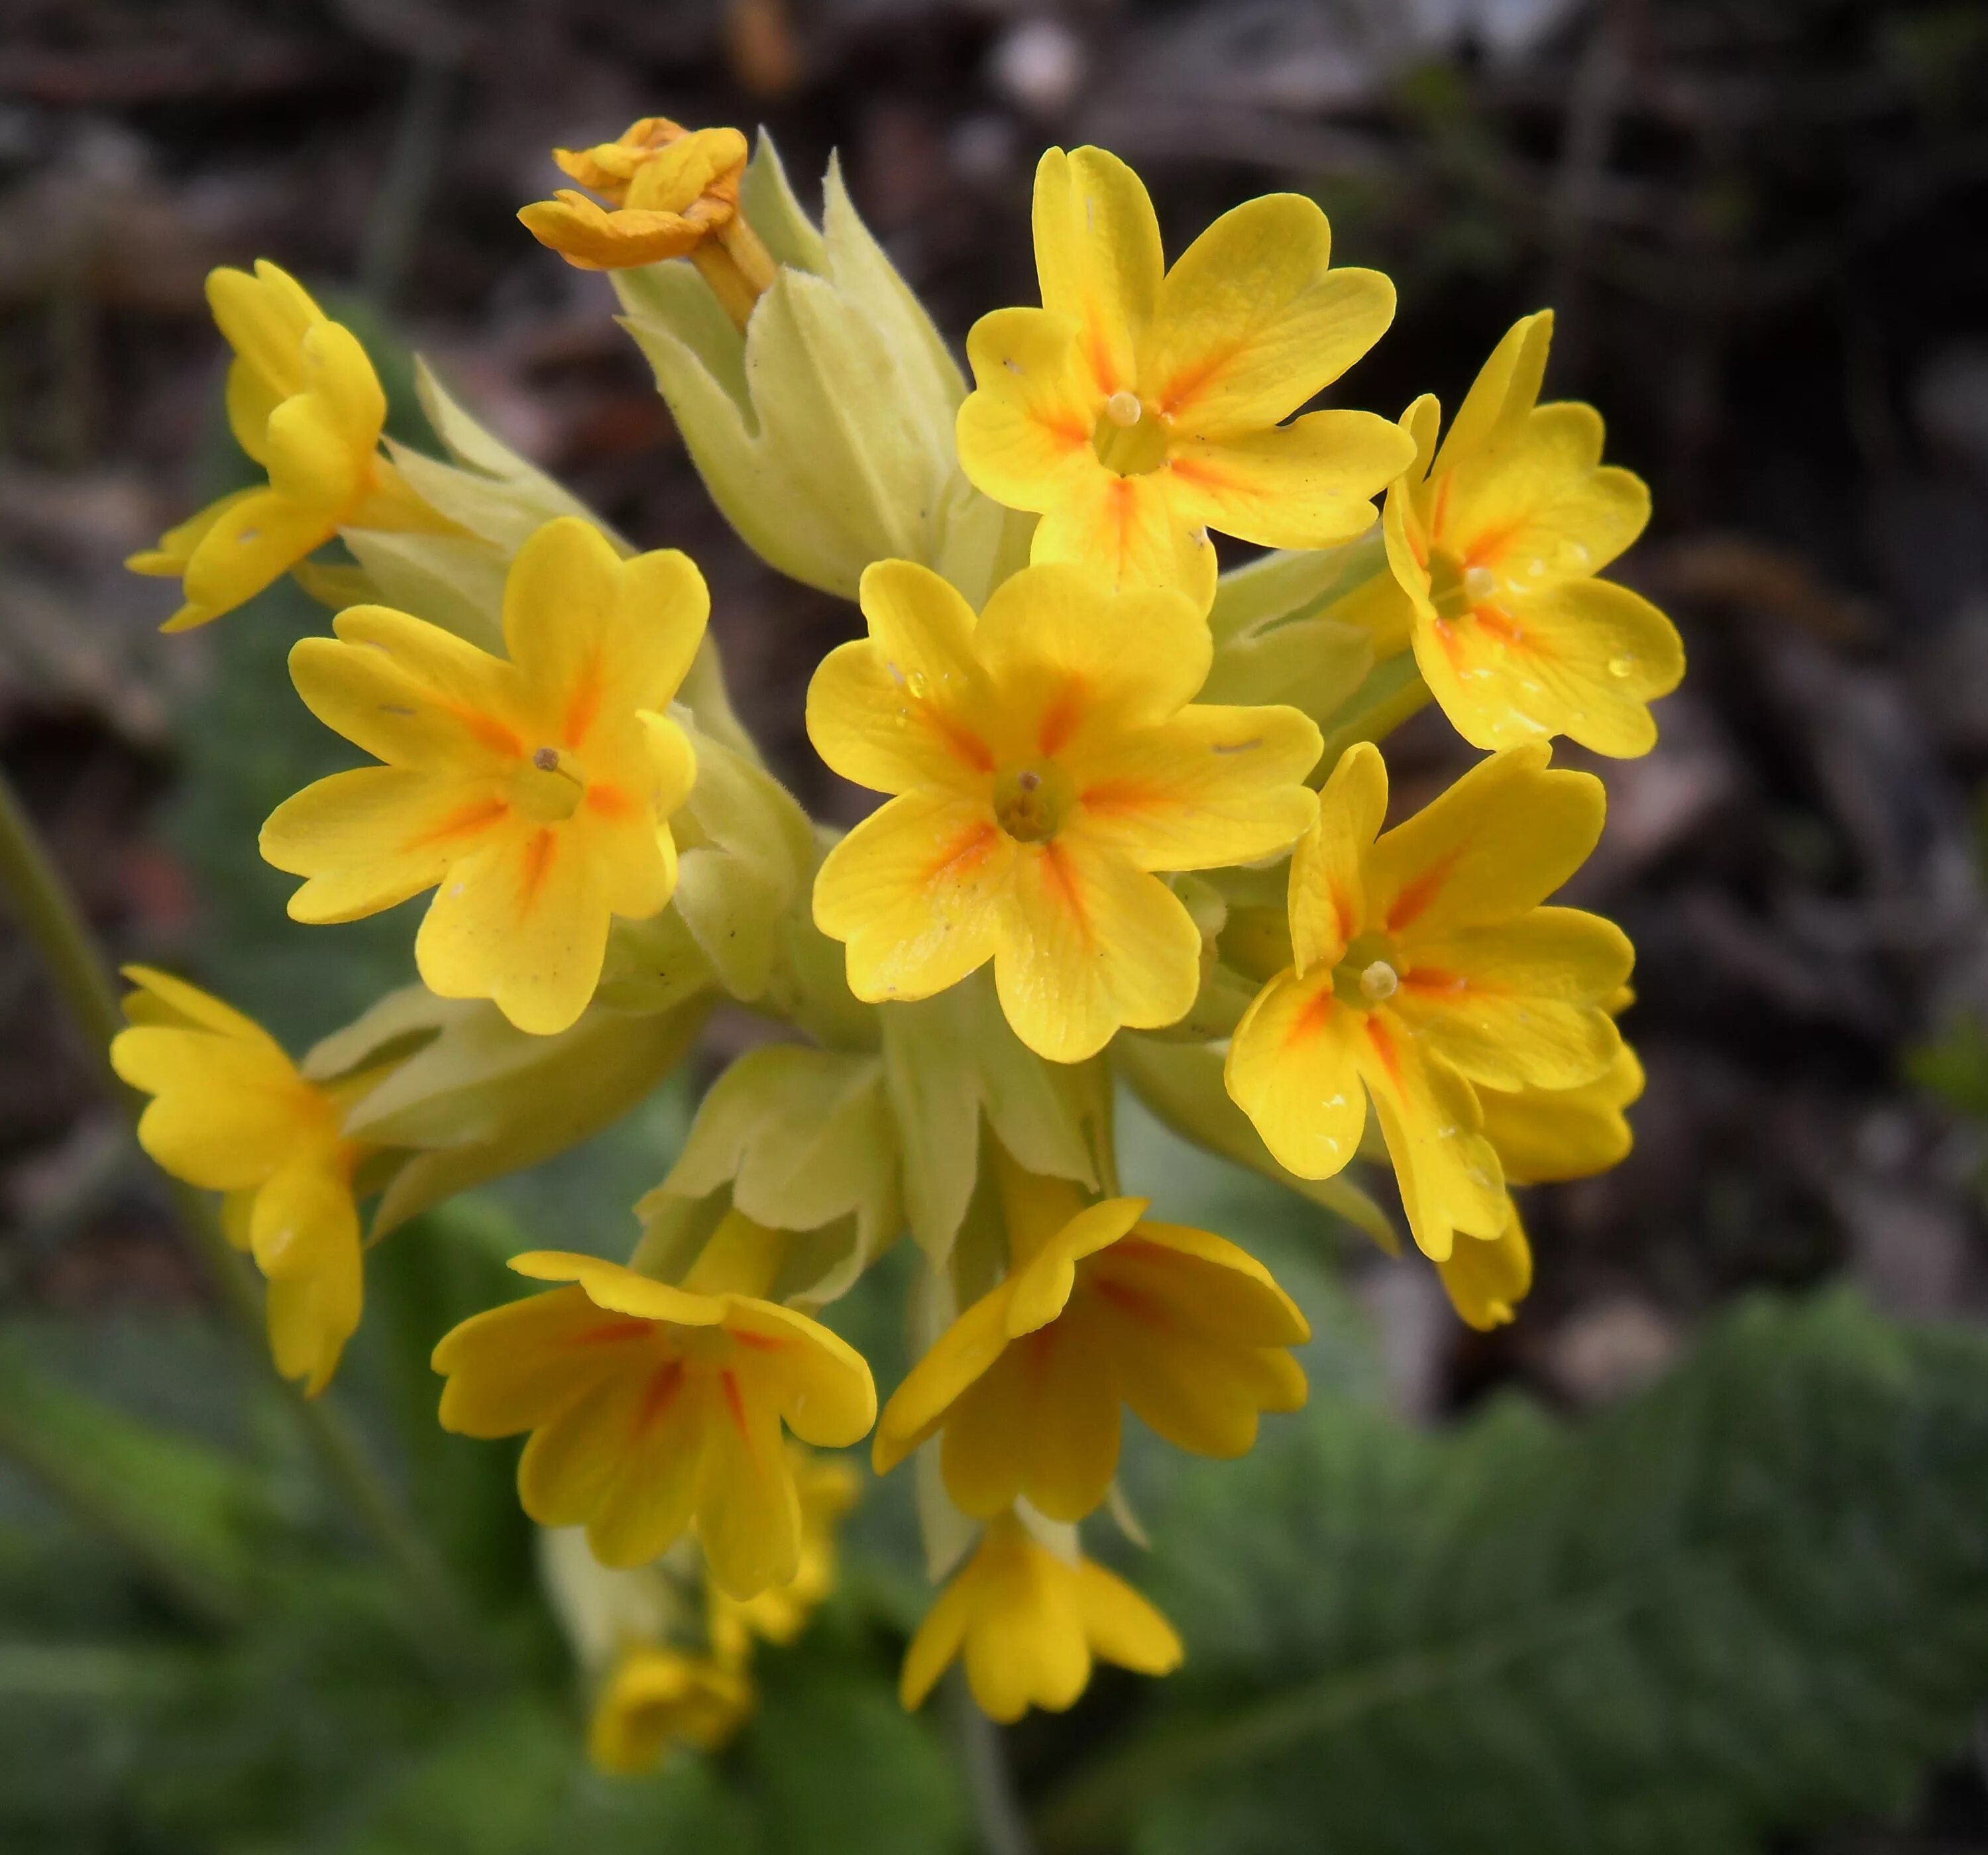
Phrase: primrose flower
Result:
[827,1489]
[304,402]
[1099,1308]
[1139,407]
[1495,538]
[651,1406]
[657,1697]
[1030,1622]
[230,1113]
[1046,759]
[672,192]
[536,789]
[1423,967]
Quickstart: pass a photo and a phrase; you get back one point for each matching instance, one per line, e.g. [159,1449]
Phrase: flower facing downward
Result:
[657,1697]
[304,402]
[1423,967]
[1046,759]
[826,1487]
[1495,538]
[230,1113]
[1099,1308]
[672,192]
[1139,407]
[1030,1623]
[536,789]
[651,1406]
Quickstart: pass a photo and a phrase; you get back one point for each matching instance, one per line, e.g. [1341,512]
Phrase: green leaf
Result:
[1753,1600]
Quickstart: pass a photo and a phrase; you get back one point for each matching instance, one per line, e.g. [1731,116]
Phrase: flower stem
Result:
[998,1820]
[48,910]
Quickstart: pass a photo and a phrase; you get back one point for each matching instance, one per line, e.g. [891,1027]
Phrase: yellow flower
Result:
[1139,407]
[1030,1622]
[1486,1278]
[674,193]
[651,1406]
[1422,968]
[1543,1135]
[827,1489]
[536,789]
[1046,759]
[304,402]
[659,1697]
[1496,539]
[1099,1308]
[230,1113]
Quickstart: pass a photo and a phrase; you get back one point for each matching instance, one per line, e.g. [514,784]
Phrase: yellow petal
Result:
[161,999]
[1098,257]
[1212,786]
[371,838]
[311,1315]
[303,1213]
[749,1516]
[1328,897]
[1070,660]
[1520,1003]
[1583,658]
[576,1454]
[1205,1282]
[250,543]
[1127,531]
[1308,484]
[820,1383]
[1546,1134]
[1042,1424]
[1505,390]
[591,238]
[621,1290]
[226,1113]
[1091,943]
[1291,1068]
[386,683]
[1486,1280]
[1042,1288]
[959,1357]
[264,318]
[916,891]
[511,1368]
[168,560]
[1025,433]
[1026,1646]
[1251,324]
[1449,1176]
[1495,844]
[1121,1626]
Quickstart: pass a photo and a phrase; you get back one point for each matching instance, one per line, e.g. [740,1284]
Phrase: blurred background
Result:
[1695,1554]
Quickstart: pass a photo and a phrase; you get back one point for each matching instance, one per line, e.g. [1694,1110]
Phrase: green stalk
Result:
[49,911]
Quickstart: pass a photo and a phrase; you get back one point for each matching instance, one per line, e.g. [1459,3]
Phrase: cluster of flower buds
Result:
[1133,835]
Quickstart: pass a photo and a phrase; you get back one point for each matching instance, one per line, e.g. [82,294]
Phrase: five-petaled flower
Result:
[1422,965]
[1030,1622]
[1100,1307]
[536,789]
[651,1405]
[1495,539]
[1046,759]
[672,192]
[304,402]
[1139,407]
[230,1113]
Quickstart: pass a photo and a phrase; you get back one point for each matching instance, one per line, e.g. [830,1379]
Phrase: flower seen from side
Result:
[827,1488]
[1030,1623]
[1423,967]
[1045,760]
[1100,1308]
[230,1113]
[304,402]
[1140,406]
[651,1407]
[1496,537]
[534,791]
[657,1697]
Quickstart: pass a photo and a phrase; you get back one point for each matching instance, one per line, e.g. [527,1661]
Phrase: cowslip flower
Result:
[672,192]
[535,788]
[1030,1623]
[1100,1308]
[304,402]
[230,1113]
[1423,965]
[1045,759]
[1140,406]
[657,1697]
[651,1406]
[1495,538]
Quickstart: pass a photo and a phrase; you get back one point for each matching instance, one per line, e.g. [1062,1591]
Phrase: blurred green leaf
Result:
[1955,1068]
[1753,1599]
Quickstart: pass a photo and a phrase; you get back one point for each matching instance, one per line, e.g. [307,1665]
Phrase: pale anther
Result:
[1122,408]
[546,759]
[1379,980]
[1480,583]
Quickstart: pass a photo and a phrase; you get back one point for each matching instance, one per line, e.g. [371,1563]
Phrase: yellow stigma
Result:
[1122,408]
[1378,981]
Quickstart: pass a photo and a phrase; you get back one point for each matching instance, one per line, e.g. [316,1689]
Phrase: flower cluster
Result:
[1134,833]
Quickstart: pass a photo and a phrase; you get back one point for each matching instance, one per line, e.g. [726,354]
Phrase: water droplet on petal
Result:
[1621,665]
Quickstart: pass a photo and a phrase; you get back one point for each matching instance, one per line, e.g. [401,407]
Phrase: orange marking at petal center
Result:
[1434,979]
[1499,623]
[1061,718]
[539,854]
[1121,796]
[1378,1035]
[756,1343]
[1418,894]
[1062,878]
[961,742]
[610,802]
[660,1393]
[488,732]
[471,819]
[608,1332]
[1317,1014]
[1202,475]
[734,1399]
[583,706]
[965,855]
